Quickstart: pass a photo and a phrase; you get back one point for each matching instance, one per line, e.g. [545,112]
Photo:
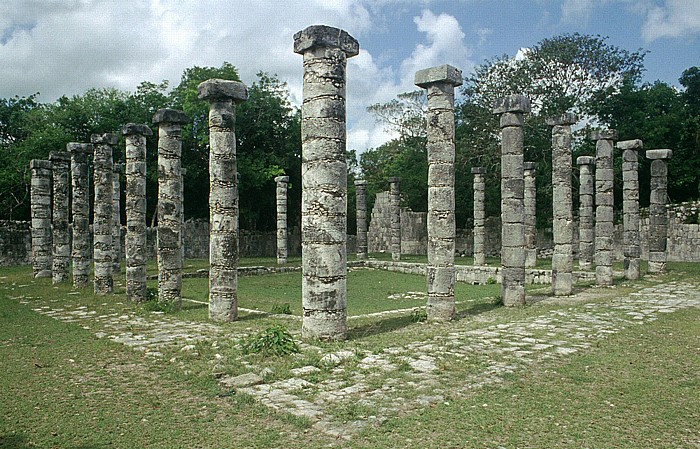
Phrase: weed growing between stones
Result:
[152,304]
[282,309]
[419,315]
[275,340]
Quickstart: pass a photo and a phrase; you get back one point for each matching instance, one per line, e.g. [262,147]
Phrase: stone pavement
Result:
[464,355]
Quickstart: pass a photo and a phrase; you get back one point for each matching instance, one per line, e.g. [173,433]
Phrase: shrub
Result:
[275,340]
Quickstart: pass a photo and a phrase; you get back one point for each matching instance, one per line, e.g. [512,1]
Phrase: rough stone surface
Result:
[395,217]
[80,207]
[512,109]
[586,231]
[658,215]
[630,207]
[135,245]
[440,84]
[479,216]
[604,206]
[281,198]
[361,211]
[324,180]
[40,203]
[103,212]
[169,239]
[530,210]
[224,242]
[116,215]
[562,205]
[60,166]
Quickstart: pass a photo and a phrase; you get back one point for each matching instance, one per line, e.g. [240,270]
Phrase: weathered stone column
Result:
[630,207]
[479,230]
[222,96]
[586,234]
[658,215]
[60,167]
[103,212]
[324,180]
[40,201]
[80,208]
[562,205]
[395,217]
[281,196]
[530,222]
[117,226]
[169,238]
[361,211]
[604,228]
[440,82]
[512,109]
[135,241]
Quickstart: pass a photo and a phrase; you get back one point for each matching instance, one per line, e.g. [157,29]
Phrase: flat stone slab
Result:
[243,380]
[441,74]
[512,103]
[167,115]
[634,144]
[568,118]
[325,36]
[604,134]
[585,160]
[659,154]
[215,89]
[131,129]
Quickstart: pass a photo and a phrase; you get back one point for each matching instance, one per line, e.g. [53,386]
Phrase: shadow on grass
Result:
[398,322]
[19,441]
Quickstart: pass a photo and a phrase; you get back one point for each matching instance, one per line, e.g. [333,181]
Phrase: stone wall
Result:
[15,243]
[414,228]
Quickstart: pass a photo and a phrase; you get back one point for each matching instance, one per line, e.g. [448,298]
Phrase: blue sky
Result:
[63,47]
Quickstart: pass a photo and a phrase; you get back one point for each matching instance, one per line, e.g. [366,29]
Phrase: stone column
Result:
[103,212]
[40,201]
[512,110]
[361,211]
[658,215]
[630,207]
[604,228]
[440,83]
[80,208]
[586,234]
[395,217]
[562,205]
[530,222]
[117,226]
[169,238]
[60,166]
[135,241]
[281,196]
[222,96]
[324,180]
[479,215]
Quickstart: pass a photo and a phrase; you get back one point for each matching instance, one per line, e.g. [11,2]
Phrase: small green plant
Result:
[491,280]
[275,340]
[152,304]
[282,309]
[419,315]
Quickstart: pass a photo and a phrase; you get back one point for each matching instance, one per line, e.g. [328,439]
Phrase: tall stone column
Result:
[103,212]
[562,205]
[395,217]
[479,230]
[530,222]
[630,207]
[512,110]
[281,196]
[40,202]
[440,83]
[135,241]
[604,228]
[222,96]
[117,227]
[658,215]
[324,180]
[80,208]
[60,166]
[169,236]
[361,211]
[586,233]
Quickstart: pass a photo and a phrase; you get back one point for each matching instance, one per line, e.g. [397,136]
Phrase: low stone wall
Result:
[471,274]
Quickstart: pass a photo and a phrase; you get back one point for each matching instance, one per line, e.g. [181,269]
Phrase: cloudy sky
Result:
[63,47]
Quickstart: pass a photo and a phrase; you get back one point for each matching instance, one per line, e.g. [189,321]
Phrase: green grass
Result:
[62,387]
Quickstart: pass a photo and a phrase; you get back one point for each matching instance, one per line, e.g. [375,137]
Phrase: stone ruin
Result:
[324,200]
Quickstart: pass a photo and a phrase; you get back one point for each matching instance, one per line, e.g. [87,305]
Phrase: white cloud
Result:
[578,11]
[445,45]
[673,19]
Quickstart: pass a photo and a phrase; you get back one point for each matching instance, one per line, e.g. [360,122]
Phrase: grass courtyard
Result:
[66,385]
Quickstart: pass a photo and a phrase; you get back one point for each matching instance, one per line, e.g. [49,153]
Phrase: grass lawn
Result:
[61,387]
